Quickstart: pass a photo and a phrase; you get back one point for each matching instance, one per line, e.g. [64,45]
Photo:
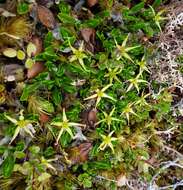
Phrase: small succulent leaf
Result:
[29,63]
[31,49]
[10,52]
[20,55]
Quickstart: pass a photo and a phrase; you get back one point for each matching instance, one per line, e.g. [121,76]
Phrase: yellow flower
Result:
[100,94]
[112,74]
[134,83]
[142,100]
[122,51]
[107,141]
[78,55]
[157,17]
[22,126]
[127,111]
[47,164]
[142,64]
[65,125]
[108,118]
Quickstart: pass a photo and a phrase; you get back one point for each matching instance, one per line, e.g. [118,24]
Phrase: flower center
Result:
[65,124]
[107,140]
[100,93]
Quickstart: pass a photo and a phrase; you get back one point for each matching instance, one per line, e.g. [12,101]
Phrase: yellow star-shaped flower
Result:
[108,118]
[134,83]
[157,17]
[65,125]
[107,141]
[112,74]
[78,55]
[100,94]
[22,125]
[127,111]
[122,51]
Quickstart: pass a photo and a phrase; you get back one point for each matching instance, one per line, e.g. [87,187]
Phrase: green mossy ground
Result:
[88,96]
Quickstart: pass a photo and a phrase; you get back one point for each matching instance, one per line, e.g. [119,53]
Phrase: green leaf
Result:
[93,23]
[85,180]
[48,39]
[28,90]
[64,7]
[156,3]
[20,146]
[87,183]
[19,154]
[49,152]
[46,105]
[56,95]
[22,8]
[148,30]
[34,149]
[65,139]
[67,34]
[67,19]
[49,54]
[2,149]
[137,8]
[7,166]
[104,165]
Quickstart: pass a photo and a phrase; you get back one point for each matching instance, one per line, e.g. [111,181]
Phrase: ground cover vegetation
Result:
[91,94]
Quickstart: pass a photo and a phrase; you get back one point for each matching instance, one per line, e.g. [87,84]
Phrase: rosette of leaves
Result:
[13,29]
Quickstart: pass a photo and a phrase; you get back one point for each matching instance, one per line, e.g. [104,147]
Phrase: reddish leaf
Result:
[91,3]
[80,153]
[46,17]
[38,43]
[37,68]
[43,118]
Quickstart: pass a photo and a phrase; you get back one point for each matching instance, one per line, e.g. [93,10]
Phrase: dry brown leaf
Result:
[92,117]
[46,17]
[80,153]
[89,117]
[37,68]
[91,3]
[88,34]
[38,43]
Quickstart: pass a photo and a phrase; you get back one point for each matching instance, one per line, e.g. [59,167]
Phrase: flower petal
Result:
[11,119]
[17,130]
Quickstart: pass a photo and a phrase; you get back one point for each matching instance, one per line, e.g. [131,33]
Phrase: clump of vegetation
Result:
[91,109]
[12,29]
